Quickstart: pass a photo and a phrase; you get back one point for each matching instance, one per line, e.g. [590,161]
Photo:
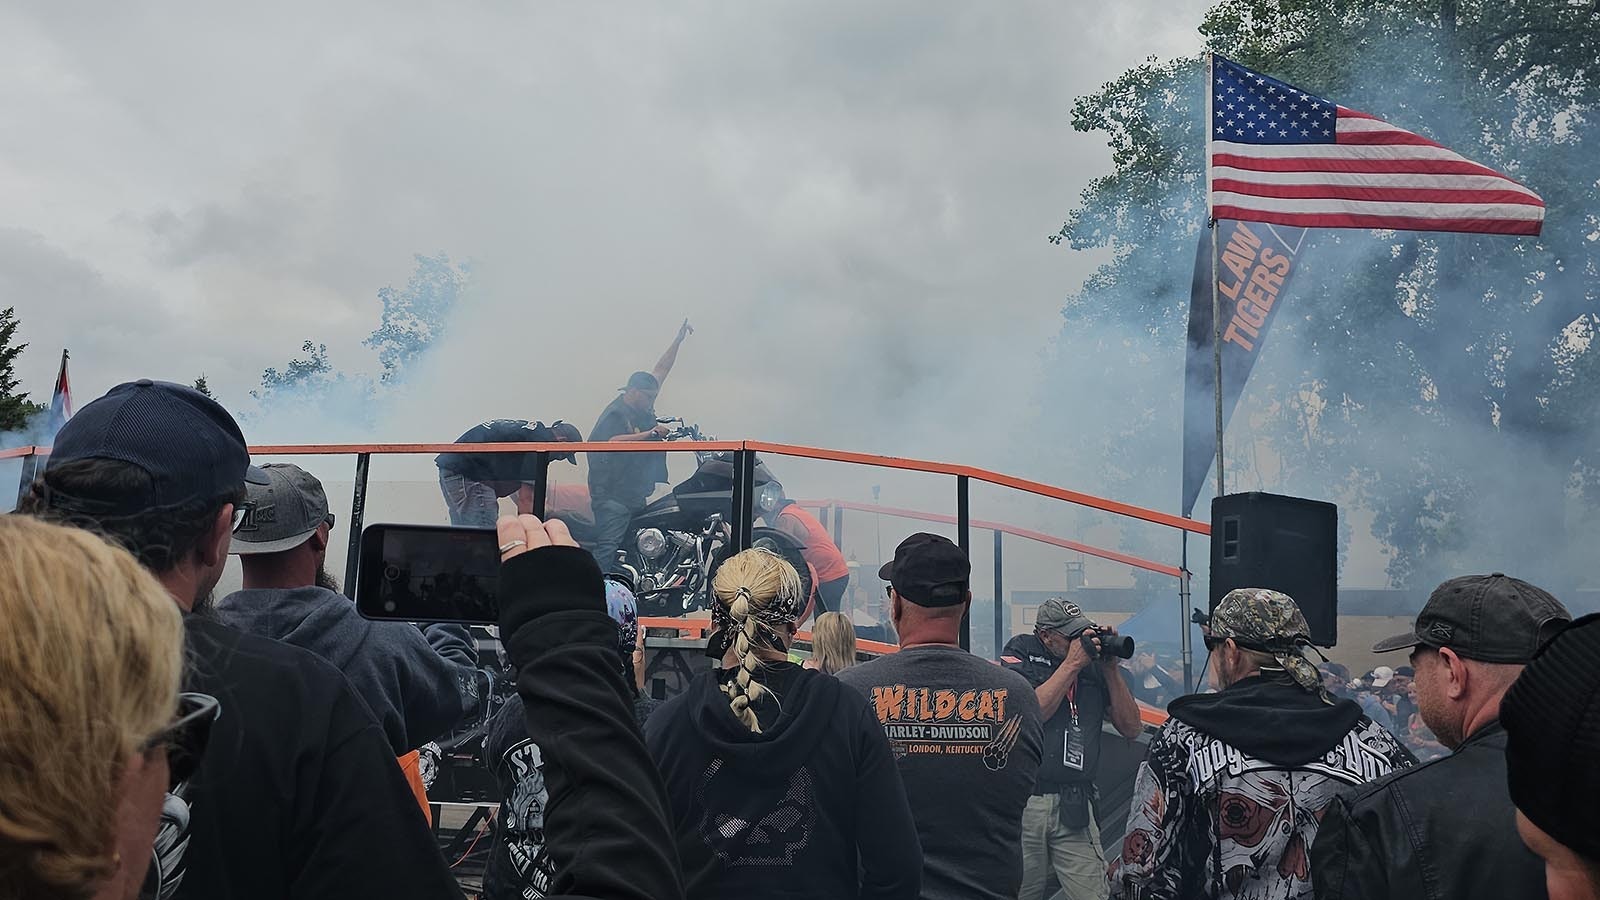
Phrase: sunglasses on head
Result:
[185,738]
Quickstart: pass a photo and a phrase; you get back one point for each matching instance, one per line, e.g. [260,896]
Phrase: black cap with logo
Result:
[1490,618]
[929,570]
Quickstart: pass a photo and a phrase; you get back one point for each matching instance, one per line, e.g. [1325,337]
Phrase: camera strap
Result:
[1073,744]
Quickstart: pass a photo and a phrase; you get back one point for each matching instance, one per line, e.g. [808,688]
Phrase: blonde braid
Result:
[742,689]
[749,584]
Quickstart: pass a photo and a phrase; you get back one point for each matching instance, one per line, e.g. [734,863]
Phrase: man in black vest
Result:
[620,483]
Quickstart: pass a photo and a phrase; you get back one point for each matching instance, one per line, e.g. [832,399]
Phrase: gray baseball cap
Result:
[1490,618]
[1057,614]
[283,513]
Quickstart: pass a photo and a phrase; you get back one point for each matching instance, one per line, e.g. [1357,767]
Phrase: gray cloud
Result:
[850,201]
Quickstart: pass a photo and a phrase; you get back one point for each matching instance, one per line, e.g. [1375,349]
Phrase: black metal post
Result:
[964,541]
[541,481]
[838,527]
[1183,611]
[744,493]
[358,509]
[999,593]
[30,471]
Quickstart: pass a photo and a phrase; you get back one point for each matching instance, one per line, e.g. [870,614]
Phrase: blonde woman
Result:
[781,781]
[90,659]
[833,644]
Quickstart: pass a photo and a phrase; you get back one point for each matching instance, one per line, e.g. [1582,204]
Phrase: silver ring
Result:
[508,546]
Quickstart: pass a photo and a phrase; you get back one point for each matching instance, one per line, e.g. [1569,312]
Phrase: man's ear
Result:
[1456,688]
[213,549]
[319,540]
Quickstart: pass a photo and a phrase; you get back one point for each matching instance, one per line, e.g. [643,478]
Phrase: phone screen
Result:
[429,573]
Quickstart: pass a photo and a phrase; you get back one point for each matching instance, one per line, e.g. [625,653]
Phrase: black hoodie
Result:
[1234,788]
[1272,720]
[812,806]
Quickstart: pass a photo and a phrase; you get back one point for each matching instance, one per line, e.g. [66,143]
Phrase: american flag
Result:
[1281,155]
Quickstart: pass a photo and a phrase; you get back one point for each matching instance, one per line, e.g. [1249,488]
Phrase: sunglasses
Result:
[185,738]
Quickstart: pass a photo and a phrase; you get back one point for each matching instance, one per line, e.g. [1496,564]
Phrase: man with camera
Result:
[1072,664]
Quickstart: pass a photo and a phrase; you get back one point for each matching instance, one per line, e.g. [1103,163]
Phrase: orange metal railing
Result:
[744,452]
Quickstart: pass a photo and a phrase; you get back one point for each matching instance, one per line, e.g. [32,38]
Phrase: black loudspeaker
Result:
[1287,544]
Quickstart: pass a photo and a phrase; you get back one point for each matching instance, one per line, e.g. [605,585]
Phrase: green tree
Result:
[201,386]
[16,410]
[1448,383]
[415,316]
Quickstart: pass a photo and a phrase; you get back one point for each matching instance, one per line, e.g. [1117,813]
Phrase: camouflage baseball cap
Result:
[1268,621]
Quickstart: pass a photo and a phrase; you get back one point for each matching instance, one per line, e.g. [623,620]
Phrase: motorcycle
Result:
[676,542]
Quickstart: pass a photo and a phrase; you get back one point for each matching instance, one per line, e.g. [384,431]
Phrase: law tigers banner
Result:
[1254,263]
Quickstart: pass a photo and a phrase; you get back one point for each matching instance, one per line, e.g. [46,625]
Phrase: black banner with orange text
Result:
[1254,263]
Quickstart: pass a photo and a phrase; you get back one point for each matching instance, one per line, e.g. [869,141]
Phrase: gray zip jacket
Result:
[419,683]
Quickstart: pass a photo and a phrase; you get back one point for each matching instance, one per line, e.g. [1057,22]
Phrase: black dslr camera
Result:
[1105,642]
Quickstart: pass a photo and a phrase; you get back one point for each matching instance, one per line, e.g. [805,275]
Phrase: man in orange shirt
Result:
[833,573]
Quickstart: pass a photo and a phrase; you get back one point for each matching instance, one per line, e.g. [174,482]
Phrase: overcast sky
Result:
[850,200]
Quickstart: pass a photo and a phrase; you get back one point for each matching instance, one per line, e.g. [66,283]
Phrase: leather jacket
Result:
[1445,830]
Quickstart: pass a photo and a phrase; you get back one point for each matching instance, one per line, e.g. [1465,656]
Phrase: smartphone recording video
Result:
[429,573]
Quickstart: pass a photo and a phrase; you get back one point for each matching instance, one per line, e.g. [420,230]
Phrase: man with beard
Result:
[298,794]
[1229,799]
[1448,828]
[620,483]
[419,684]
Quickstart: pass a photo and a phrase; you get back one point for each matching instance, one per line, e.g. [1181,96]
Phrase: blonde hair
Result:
[91,653]
[833,643]
[759,589]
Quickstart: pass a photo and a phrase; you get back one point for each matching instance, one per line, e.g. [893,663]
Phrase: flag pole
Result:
[1216,302]
[1216,353]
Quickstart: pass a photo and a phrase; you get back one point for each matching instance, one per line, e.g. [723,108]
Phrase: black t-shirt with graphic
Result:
[965,735]
[1065,761]
[507,470]
[518,867]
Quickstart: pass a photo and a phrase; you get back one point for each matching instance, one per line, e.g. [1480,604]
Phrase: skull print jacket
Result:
[1229,800]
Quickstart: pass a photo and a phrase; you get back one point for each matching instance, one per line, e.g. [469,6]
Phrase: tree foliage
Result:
[16,410]
[204,388]
[415,316]
[1446,383]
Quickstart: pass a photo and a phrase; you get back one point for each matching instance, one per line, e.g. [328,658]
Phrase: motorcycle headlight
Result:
[651,543]
[769,498]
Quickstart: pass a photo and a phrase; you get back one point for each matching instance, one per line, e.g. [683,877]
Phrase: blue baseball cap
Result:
[190,446]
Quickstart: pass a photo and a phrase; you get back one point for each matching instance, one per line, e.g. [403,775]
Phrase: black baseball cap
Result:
[641,381]
[928,570]
[185,441]
[1490,618]
[568,432]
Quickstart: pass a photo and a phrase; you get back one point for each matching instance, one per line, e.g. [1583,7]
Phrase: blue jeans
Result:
[470,502]
[611,520]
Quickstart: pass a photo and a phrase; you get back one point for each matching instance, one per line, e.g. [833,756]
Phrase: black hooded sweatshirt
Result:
[1234,787]
[813,806]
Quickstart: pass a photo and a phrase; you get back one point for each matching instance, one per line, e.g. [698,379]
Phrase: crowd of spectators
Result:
[158,743]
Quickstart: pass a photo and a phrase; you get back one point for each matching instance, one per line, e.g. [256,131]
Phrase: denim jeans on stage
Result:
[470,502]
